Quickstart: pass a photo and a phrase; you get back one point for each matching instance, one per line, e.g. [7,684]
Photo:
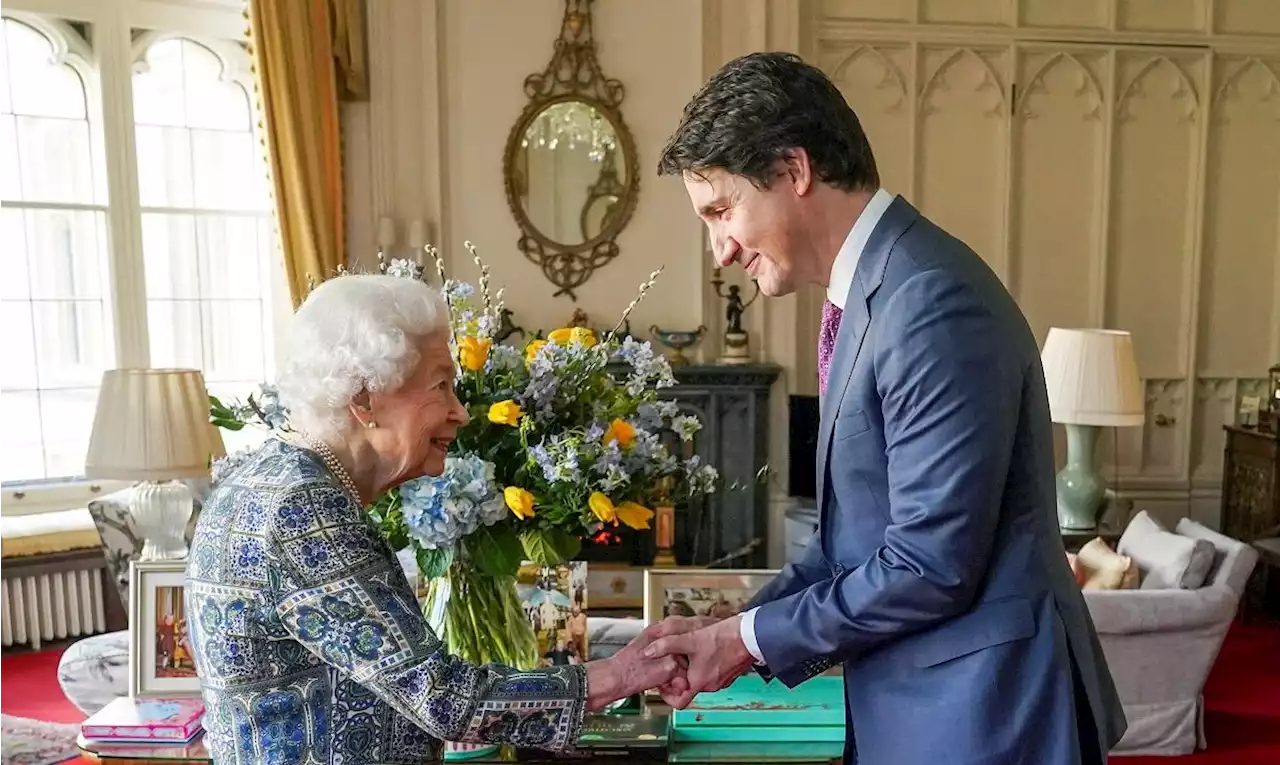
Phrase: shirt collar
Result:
[847,259]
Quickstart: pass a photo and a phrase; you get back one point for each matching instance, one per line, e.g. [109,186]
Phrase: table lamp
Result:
[152,426]
[1092,380]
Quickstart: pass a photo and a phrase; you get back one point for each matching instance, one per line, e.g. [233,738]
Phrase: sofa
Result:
[1161,639]
[95,671]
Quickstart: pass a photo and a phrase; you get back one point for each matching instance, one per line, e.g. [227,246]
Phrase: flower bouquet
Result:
[563,439]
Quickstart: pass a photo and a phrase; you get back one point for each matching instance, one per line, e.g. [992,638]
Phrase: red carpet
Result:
[1242,719]
[29,687]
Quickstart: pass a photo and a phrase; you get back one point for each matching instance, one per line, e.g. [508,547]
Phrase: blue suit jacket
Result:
[938,576]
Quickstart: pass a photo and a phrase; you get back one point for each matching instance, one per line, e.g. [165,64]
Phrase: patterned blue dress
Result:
[311,647]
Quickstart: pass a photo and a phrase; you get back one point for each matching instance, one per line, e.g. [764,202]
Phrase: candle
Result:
[417,235]
[665,531]
[386,233]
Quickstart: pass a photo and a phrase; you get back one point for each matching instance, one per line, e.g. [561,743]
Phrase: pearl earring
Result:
[371,424]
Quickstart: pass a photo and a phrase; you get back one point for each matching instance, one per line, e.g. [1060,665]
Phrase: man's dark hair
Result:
[758,106]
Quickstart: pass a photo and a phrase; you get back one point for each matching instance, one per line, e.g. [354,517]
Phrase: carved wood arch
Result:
[1088,82]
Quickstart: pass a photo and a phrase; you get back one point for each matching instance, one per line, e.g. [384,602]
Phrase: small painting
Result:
[173,643]
[161,659]
[555,601]
[718,593]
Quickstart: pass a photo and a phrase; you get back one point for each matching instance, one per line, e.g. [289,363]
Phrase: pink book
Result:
[137,720]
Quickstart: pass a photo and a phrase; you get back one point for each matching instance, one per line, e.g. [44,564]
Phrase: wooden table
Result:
[696,754]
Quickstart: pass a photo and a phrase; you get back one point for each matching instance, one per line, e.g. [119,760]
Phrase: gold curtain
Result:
[307,54]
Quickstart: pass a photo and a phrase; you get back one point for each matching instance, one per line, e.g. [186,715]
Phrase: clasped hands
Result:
[679,656]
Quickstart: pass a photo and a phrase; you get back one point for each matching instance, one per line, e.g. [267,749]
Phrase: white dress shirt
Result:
[838,285]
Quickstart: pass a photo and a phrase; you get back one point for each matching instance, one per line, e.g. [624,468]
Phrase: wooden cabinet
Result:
[1250,484]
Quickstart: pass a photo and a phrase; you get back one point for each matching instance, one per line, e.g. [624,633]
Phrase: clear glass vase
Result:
[479,617]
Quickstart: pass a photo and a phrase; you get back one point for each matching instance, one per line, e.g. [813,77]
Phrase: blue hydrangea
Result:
[440,510]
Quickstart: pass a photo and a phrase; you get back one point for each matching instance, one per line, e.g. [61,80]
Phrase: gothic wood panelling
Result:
[1114,160]
[1060,135]
[1239,311]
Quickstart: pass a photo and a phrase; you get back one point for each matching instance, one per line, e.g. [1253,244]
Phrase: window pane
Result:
[71,344]
[157,86]
[164,167]
[225,170]
[169,254]
[212,102]
[230,257]
[10,174]
[62,247]
[22,457]
[55,159]
[46,88]
[13,255]
[67,420]
[174,326]
[6,103]
[17,343]
[234,348]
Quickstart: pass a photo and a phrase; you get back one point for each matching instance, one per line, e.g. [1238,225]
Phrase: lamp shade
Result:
[1092,378]
[152,425]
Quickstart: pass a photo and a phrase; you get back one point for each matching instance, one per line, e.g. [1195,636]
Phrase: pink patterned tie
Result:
[831,314]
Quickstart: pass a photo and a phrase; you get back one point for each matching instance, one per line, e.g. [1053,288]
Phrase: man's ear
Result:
[797,170]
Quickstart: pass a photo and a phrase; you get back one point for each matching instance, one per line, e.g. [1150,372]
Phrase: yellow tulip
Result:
[519,500]
[634,515]
[473,353]
[582,335]
[505,413]
[532,350]
[621,431]
[603,508]
[561,336]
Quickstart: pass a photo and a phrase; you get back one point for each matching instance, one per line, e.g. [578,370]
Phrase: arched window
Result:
[207,230]
[57,327]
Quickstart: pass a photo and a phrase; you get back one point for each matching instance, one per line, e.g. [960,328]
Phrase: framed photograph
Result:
[721,592]
[161,661]
[554,599]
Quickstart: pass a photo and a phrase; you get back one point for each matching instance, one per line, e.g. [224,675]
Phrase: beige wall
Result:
[1109,182]
[446,81]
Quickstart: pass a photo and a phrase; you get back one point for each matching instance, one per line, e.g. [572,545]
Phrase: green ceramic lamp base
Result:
[1080,488]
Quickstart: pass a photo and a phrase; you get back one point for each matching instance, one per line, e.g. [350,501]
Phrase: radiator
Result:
[52,606]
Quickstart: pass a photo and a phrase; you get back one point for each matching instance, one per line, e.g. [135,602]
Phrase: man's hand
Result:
[714,651]
[629,672]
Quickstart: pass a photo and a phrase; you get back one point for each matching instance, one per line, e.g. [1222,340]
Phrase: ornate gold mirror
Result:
[570,162]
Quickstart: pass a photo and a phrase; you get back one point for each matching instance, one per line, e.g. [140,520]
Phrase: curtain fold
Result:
[306,53]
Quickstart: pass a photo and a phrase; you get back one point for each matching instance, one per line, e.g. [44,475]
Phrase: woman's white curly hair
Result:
[354,333]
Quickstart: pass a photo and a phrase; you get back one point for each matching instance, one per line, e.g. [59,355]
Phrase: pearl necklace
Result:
[334,465]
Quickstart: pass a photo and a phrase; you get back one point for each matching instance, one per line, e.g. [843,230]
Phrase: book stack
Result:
[146,721]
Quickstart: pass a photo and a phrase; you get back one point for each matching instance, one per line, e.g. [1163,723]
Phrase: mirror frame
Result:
[573,74]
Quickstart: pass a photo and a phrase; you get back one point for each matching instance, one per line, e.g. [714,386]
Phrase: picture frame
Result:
[161,660]
[719,592]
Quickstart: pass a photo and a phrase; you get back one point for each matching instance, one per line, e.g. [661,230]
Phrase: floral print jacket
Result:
[310,644]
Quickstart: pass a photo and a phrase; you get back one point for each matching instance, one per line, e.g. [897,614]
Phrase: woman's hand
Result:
[628,672]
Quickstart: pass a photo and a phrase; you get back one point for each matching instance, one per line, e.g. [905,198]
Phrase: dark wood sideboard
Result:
[1251,501]
[1250,484]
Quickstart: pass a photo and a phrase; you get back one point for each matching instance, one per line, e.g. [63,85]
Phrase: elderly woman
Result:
[308,640]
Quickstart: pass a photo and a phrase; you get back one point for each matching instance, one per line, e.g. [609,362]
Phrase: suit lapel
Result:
[867,277]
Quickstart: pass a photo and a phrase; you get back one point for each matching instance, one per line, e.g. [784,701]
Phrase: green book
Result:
[632,731]
[757,752]
[752,710]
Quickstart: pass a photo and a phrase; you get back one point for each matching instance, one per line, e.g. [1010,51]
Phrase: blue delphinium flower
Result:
[440,510]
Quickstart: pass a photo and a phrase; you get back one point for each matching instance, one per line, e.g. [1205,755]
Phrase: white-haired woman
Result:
[308,640]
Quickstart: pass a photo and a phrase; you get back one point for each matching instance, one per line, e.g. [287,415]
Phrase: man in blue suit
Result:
[937,577]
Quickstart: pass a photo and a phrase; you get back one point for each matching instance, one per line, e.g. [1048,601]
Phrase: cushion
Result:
[47,533]
[1167,560]
[1104,569]
[95,671]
